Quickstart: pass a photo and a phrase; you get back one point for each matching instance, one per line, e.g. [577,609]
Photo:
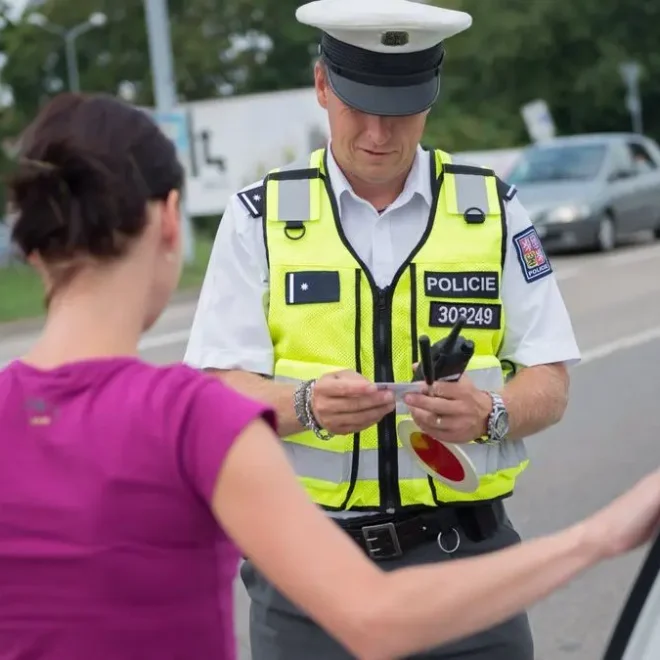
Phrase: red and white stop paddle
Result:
[445,462]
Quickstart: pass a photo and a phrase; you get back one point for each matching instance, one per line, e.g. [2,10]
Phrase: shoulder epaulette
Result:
[505,190]
[253,200]
[467,168]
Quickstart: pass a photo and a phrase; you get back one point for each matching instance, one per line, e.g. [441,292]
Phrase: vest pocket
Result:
[485,372]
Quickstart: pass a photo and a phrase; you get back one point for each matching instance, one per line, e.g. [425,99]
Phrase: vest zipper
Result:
[388,461]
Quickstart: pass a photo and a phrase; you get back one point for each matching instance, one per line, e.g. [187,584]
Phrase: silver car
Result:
[589,191]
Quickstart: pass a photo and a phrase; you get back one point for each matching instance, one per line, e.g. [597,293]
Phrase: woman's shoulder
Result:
[186,392]
[204,418]
[173,394]
[184,379]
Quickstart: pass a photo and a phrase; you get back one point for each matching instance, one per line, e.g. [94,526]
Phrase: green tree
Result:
[566,52]
[5,160]
[219,46]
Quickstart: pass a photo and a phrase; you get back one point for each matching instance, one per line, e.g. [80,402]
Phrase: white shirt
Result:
[230,329]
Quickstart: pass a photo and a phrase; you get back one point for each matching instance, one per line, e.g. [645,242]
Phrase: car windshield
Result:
[558,163]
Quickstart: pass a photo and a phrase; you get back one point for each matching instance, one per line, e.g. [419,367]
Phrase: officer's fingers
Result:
[447,390]
[438,426]
[432,404]
[427,422]
[453,390]
[370,417]
[344,423]
[344,384]
[355,404]
[346,374]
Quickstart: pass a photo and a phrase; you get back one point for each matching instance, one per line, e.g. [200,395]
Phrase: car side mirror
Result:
[620,174]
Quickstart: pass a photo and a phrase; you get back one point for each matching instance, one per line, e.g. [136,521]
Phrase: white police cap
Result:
[383,56]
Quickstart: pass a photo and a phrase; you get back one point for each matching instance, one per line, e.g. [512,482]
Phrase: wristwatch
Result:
[302,403]
[498,420]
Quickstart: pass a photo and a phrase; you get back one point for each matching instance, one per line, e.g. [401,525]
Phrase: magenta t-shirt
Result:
[108,547]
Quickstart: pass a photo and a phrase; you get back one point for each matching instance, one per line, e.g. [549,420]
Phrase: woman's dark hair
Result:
[87,167]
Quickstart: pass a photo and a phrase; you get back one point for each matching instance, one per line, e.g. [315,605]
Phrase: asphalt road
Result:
[608,438]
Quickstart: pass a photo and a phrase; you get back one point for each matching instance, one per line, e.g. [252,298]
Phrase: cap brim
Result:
[385,101]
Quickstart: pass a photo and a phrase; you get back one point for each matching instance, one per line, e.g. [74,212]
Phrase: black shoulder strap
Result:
[505,190]
[461,168]
[295,174]
[253,200]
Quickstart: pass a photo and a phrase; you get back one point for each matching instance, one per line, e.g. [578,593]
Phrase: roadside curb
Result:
[11,329]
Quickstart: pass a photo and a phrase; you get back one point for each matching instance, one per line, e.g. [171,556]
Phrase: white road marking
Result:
[589,355]
[162,340]
[566,271]
[630,341]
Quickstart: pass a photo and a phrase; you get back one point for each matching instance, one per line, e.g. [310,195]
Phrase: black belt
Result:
[390,537]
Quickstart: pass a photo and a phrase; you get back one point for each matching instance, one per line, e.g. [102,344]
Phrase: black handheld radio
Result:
[446,359]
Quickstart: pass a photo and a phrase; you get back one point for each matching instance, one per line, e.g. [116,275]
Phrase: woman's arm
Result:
[382,616]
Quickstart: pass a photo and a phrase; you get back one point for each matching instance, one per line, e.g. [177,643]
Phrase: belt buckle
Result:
[382,541]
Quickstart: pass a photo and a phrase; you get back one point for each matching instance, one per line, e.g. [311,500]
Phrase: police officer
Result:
[321,279]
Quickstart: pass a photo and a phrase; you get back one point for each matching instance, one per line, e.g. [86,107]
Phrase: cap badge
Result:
[394,38]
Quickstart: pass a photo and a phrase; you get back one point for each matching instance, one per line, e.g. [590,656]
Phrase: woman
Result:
[123,486]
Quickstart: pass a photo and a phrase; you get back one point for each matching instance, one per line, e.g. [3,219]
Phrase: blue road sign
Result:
[174,124]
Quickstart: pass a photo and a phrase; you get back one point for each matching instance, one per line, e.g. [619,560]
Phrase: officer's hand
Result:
[628,522]
[457,412]
[346,402]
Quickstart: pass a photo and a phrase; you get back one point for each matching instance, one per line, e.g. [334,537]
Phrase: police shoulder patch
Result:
[253,200]
[505,190]
[531,255]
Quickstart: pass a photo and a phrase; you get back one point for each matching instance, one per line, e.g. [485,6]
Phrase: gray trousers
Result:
[279,631]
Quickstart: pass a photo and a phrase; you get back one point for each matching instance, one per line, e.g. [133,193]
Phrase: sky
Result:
[17,5]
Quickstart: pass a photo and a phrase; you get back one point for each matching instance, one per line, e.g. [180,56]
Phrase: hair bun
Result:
[52,194]
[36,169]
[68,165]
[89,166]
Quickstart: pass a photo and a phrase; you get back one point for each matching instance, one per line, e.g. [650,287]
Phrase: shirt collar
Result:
[418,182]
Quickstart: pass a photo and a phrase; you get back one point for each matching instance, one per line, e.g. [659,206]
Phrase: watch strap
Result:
[498,409]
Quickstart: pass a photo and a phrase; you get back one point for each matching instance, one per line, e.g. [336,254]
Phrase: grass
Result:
[21,293]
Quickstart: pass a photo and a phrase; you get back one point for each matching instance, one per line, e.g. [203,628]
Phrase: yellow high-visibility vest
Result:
[326,314]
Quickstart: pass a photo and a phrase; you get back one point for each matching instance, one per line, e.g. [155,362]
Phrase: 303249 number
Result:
[477,315]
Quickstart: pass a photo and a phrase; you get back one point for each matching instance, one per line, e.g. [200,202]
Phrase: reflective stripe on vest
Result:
[325,314]
[325,466]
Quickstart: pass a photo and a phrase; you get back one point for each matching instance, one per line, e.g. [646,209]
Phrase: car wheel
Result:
[606,234]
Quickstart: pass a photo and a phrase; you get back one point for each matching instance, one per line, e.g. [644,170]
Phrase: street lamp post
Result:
[631,72]
[164,84]
[96,20]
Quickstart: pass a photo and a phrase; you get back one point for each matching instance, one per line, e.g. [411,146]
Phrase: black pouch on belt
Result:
[478,522]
